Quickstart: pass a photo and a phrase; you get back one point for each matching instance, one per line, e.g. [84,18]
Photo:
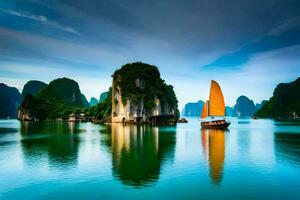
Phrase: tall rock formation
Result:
[285,102]
[244,107]
[140,95]
[93,101]
[192,109]
[10,99]
[85,101]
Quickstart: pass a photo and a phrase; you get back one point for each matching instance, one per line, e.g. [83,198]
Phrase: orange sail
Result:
[205,110]
[216,100]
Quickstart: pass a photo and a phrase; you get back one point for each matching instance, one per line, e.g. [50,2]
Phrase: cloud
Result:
[266,43]
[287,25]
[42,19]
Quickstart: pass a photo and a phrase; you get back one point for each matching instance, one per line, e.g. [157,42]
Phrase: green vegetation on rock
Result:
[103,96]
[93,101]
[33,87]
[10,99]
[142,82]
[285,102]
[57,100]
[85,101]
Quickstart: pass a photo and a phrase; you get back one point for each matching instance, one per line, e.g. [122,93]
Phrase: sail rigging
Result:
[204,113]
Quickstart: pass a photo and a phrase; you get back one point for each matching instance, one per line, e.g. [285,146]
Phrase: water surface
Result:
[253,159]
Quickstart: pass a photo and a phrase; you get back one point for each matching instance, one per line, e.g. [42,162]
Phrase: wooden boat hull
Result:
[221,124]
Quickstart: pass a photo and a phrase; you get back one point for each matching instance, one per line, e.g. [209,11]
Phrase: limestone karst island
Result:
[114,99]
[137,95]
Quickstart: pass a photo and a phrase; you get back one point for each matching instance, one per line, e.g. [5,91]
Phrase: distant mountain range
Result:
[10,99]
[285,102]
[94,101]
[244,107]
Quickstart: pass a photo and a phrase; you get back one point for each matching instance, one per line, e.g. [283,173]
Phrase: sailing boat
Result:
[213,113]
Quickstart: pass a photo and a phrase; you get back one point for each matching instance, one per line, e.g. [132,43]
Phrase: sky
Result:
[247,46]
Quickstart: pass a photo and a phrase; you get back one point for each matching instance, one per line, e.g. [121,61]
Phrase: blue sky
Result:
[247,46]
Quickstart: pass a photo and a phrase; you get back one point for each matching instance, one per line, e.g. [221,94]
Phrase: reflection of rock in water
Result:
[54,140]
[138,152]
[287,146]
[213,141]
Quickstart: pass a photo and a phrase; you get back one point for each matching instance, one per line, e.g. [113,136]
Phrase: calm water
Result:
[254,159]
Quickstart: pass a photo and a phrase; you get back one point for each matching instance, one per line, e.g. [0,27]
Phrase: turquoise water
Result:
[253,159]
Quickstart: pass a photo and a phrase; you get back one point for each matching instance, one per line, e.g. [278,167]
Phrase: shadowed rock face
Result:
[33,87]
[193,109]
[103,96]
[244,107]
[140,95]
[93,101]
[10,99]
[258,106]
[56,100]
[285,102]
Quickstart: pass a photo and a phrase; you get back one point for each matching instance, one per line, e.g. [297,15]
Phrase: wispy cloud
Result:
[42,19]
[287,25]
[280,38]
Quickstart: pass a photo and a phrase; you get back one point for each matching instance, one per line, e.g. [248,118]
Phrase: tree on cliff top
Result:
[150,85]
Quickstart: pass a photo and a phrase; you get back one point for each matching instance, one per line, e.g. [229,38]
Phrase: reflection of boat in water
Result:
[213,141]
[213,113]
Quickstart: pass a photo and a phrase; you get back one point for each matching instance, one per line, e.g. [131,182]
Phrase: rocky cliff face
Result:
[244,107]
[229,111]
[192,109]
[103,96]
[140,95]
[258,106]
[10,99]
[84,101]
[93,101]
[285,102]
[28,109]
